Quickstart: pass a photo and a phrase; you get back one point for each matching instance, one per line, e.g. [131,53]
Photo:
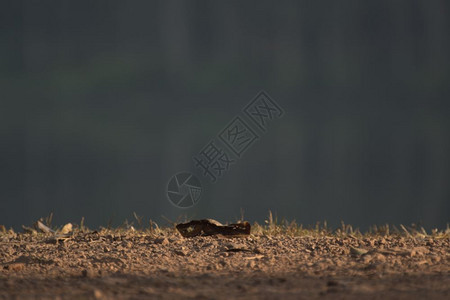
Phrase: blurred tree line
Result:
[102,101]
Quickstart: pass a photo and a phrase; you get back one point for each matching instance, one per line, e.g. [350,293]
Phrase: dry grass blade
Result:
[45,229]
[138,220]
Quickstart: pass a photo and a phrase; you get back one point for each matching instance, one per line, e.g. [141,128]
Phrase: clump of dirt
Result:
[133,264]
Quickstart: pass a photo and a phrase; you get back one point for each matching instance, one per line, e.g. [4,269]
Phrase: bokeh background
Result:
[101,102]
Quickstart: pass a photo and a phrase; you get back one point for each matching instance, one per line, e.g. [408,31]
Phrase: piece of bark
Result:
[208,227]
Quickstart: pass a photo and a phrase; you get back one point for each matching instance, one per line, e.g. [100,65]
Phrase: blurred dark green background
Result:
[101,102]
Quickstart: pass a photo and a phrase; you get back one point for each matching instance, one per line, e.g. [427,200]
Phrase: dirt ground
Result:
[134,265]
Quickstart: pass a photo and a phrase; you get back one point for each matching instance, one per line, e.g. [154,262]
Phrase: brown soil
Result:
[126,264]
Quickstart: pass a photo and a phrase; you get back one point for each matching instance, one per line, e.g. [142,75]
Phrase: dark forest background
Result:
[101,102]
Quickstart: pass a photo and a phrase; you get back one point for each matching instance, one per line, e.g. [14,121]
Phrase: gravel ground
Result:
[133,264]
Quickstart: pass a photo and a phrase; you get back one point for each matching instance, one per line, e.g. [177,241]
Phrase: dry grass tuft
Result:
[271,227]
